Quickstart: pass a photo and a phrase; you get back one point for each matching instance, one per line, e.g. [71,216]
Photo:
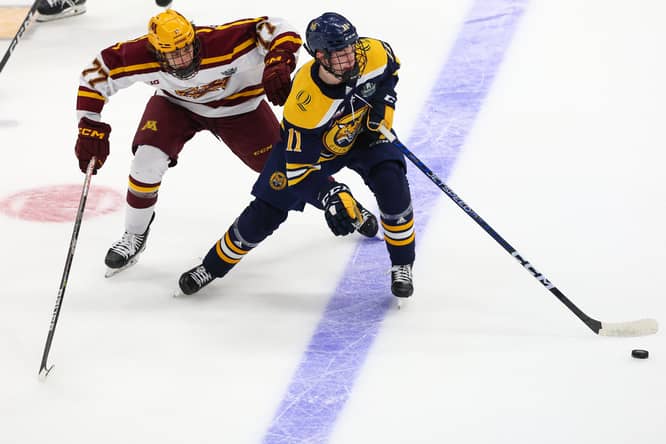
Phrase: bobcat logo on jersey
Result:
[198,91]
[342,135]
[278,181]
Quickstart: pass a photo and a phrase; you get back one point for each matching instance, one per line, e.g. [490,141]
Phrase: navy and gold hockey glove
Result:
[381,111]
[380,114]
[340,209]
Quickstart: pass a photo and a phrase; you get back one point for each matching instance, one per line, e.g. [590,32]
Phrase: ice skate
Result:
[401,281]
[50,10]
[125,252]
[194,280]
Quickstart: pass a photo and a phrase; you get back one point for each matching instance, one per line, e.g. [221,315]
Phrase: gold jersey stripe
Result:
[238,22]
[132,68]
[296,180]
[236,50]
[285,39]
[249,93]
[92,95]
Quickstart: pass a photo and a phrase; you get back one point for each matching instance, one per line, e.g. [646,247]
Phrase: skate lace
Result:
[401,273]
[128,245]
[60,2]
[201,276]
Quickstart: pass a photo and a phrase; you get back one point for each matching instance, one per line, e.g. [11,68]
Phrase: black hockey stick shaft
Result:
[24,26]
[44,369]
[593,324]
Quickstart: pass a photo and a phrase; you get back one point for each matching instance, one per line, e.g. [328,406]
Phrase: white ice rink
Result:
[563,156]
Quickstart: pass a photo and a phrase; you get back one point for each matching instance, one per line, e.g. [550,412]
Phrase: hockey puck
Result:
[163,3]
[640,354]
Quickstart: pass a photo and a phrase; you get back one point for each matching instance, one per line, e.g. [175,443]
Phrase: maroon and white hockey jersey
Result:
[229,77]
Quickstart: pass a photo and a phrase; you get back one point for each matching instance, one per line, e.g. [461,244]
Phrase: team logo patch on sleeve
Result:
[278,181]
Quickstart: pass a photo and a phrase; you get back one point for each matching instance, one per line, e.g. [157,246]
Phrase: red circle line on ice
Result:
[59,203]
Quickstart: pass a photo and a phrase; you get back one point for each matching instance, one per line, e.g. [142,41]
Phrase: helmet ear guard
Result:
[168,32]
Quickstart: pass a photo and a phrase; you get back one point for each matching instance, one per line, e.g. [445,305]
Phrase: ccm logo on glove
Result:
[93,141]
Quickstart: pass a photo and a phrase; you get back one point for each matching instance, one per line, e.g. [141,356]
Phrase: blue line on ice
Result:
[324,379]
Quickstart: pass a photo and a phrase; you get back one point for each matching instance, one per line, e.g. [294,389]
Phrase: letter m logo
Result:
[150,125]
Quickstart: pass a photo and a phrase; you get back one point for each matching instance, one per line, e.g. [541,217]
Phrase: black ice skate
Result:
[194,280]
[57,9]
[125,252]
[401,281]
[369,227]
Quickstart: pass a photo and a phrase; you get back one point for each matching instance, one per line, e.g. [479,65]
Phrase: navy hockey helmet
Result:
[329,32]
[332,32]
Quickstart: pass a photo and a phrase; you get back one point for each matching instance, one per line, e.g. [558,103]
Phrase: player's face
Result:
[342,61]
[180,58]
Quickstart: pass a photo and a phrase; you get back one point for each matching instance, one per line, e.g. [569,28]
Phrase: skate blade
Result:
[114,271]
[401,303]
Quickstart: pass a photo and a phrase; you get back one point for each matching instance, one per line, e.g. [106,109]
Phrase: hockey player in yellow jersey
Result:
[337,104]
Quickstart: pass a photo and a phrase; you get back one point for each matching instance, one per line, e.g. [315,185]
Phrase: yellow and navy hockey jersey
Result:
[322,122]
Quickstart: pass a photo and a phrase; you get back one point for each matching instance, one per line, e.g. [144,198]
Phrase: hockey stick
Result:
[44,369]
[19,33]
[639,327]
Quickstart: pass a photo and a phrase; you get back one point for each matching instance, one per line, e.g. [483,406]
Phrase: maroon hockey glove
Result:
[277,76]
[93,141]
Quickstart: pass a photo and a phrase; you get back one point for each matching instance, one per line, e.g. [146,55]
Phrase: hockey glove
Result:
[93,141]
[276,79]
[381,111]
[342,213]
[380,115]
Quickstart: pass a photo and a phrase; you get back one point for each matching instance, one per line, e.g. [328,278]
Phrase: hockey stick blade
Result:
[640,327]
[44,372]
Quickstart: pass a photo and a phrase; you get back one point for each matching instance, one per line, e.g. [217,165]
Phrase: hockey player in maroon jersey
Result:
[340,100]
[206,78]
